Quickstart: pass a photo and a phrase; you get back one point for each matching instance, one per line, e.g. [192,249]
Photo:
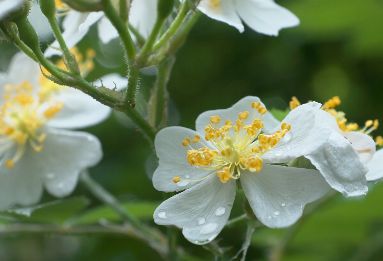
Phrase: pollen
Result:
[215,4]
[215,119]
[294,103]
[22,118]
[259,107]
[176,179]
[224,174]
[236,146]
[332,103]
[379,141]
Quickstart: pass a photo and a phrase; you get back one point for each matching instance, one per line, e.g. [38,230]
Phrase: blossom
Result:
[345,175]
[76,24]
[7,6]
[37,149]
[263,16]
[242,143]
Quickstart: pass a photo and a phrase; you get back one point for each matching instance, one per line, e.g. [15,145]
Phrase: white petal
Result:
[39,22]
[340,165]
[106,30]
[265,16]
[375,166]
[21,186]
[173,162]
[76,25]
[224,12]
[23,69]
[363,144]
[65,155]
[79,111]
[7,6]
[231,113]
[278,194]
[143,15]
[201,211]
[305,135]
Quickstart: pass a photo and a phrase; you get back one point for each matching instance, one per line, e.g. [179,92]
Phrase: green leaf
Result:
[279,114]
[56,212]
[140,210]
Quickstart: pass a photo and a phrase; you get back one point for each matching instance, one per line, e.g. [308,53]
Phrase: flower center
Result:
[235,146]
[23,114]
[340,117]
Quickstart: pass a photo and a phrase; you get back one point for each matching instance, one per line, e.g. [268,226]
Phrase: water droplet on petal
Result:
[208,228]
[220,211]
[162,214]
[269,217]
[283,204]
[187,176]
[60,185]
[201,221]
[276,213]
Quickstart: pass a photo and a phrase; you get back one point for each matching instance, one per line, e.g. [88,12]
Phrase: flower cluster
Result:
[37,146]
[246,143]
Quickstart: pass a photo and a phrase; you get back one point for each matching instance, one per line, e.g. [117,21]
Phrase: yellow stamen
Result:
[294,103]
[176,179]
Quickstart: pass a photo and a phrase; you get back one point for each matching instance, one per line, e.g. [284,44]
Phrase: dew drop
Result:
[187,176]
[283,204]
[201,221]
[269,217]
[162,214]
[276,213]
[208,228]
[220,211]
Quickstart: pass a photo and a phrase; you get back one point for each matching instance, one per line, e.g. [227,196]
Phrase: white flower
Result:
[263,16]
[7,6]
[143,14]
[36,150]
[228,145]
[343,156]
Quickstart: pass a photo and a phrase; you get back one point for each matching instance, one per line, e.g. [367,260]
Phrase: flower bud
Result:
[164,8]
[28,34]
[48,7]
[84,5]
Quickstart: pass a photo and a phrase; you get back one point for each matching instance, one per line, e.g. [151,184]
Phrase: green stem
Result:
[124,10]
[173,28]
[122,29]
[103,195]
[236,220]
[70,60]
[147,48]
[12,229]
[158,101]
[131,92]
[172,244]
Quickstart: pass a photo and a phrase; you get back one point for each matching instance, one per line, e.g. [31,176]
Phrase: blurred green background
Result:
[337,50]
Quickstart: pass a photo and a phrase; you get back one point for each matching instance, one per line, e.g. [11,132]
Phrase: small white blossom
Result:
[7,6]
[36,148]
[76,25]
[263,16]
[242,143]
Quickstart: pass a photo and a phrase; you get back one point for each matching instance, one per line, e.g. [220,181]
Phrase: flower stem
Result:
[236,220]
[122,29]
[103,195]
[158,101]
[69,58]
[173,28]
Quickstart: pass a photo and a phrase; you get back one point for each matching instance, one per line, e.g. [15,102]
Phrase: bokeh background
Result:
[337,50]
